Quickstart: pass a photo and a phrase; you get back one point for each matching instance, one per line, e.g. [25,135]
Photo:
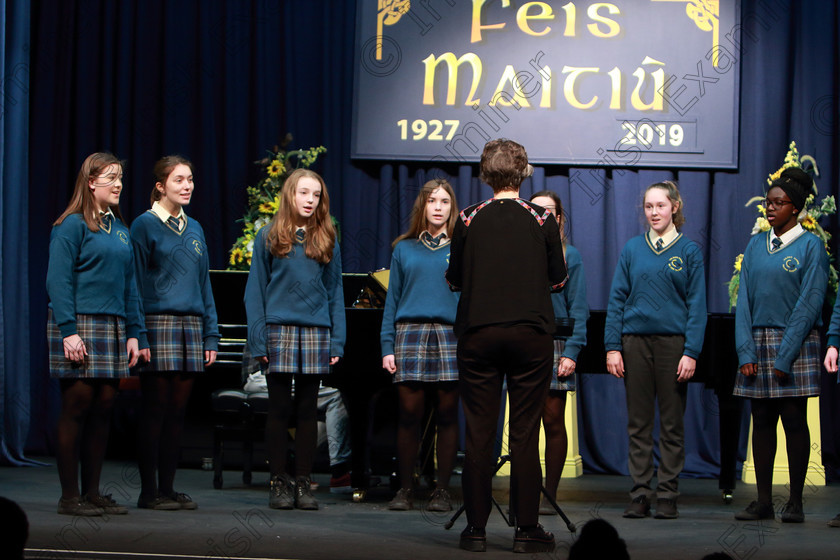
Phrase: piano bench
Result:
[238,416]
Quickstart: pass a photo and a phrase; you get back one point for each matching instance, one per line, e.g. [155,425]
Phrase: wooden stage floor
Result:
[235,522]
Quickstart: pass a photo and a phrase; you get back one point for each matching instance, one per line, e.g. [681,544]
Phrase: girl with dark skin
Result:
[784,276]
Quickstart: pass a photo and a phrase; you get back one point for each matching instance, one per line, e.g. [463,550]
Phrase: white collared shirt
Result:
[667,238]
[164,215]
[787,236]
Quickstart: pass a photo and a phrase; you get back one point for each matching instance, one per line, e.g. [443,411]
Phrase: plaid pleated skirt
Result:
[300,350]
[104,337]
[558,384]
[176,343]
[425,352]
[802,381]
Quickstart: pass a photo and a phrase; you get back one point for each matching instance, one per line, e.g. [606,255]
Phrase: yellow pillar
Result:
[573,467]
[816,472]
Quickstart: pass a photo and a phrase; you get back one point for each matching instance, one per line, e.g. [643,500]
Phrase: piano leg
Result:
[730,421]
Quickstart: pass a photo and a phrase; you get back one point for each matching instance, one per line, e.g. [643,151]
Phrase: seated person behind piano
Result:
[418,342]
[570,303]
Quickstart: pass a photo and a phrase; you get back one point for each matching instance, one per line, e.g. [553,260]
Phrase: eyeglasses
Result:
[775,204]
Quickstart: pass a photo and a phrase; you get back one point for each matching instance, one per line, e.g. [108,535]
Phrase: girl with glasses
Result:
[784,276]
[94,327]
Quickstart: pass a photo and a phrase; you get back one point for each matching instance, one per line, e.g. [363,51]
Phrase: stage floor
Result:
[235,522]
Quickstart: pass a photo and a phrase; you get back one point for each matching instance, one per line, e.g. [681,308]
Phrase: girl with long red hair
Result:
[296,328]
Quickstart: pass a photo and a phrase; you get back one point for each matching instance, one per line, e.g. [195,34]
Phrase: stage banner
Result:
[650,83]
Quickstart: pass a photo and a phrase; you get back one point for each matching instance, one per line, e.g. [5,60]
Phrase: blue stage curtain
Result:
[221,81]
[143,79]
[14,246]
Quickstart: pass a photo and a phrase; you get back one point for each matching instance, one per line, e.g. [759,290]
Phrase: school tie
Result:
[659,244]
[105,220]
[432,242]
[776,243]
[300,235]
[175,223]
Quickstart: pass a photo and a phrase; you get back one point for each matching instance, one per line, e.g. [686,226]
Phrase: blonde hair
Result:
[419,222]
[82,202]
[320,232]
[673,192]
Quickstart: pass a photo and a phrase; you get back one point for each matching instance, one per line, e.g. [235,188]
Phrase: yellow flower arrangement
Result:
[276,168]
[264,197]
[808,217]
[235,257]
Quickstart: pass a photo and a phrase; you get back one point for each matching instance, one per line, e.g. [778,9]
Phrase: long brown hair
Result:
[163,169]
[673,192]
[82,201]
[320,232]
[558,207]
[419,222]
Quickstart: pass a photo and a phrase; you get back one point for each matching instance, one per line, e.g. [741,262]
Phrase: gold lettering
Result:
[475,36]
[613,28]
[522,17]
[569,86]
[571,16]
[545,100]
[658,86]
[452,65]
[518,99]
[615,77]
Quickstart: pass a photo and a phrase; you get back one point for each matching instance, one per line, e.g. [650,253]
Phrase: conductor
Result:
[506,258]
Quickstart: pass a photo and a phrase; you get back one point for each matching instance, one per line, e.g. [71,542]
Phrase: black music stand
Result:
[563,329]
[509,518]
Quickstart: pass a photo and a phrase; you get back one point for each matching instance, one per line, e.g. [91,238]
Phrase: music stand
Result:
[564,327]
[509,518]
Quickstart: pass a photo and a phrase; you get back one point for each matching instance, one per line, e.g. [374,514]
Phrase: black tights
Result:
[556,440]
[83,428]
[412,407]
[766,414]
[165,397]
[281,403]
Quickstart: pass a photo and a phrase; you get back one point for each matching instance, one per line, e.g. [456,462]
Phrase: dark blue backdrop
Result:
[221,81]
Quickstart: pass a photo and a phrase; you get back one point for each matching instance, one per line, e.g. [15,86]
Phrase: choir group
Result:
[137,300]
